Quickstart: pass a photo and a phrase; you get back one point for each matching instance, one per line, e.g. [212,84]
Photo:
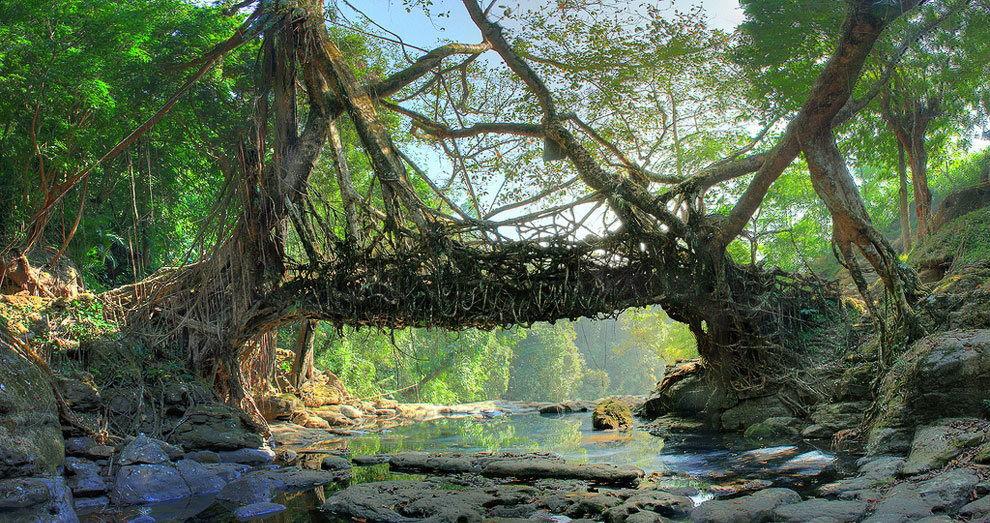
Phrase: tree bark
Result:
[302,364]
[902,196]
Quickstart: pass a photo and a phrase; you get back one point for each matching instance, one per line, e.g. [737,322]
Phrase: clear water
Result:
[697,459]
[706,456]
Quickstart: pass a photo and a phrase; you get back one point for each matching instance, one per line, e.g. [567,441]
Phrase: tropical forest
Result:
[718,261]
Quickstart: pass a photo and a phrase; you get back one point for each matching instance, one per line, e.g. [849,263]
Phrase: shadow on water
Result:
[692,458]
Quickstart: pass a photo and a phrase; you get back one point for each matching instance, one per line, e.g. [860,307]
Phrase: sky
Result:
[416,28]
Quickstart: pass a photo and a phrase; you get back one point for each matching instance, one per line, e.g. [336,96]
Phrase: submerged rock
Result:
[256,510]
[611,414]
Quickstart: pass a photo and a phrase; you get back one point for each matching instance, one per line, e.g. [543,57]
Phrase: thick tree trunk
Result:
[902,197]
[919,180]
[302,364]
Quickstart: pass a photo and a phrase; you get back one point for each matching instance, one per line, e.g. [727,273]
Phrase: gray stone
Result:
[138,484]
[100,452]
[36,499]
[754,410]
[873,473]
[646,516]
[227,472]
[215,427]
[947,492]
[978,508]
[808,510]
[657,502]
[839,416]
[23,492]
[261,486]
[684,390]
[262,456]
[255,510]
[30,434]
[335,463]
[199,478]
[203,456]
[817,432]
[935,446]
[942,375]
[82,504]
[754,508]
[143,450]
[78,446]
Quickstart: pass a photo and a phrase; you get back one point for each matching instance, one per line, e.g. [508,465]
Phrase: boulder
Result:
[309,420]
[811,509]
[80,395]
[143,450]
[936,445]
[754,508]
[199,478]
[754,410]
[317,395]
[840,416]
[946,492]
[38,498]
[942,375]
[685,390]
[774,428]
[216,427]
[961,202]
[278,407]
[139,484]
[262,456]
[611,414]
[407,501]
[260,486]
[30,435]
[335,463]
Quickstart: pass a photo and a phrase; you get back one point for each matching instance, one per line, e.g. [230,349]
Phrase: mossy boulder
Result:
[685,390]
[611,414]
[216,427]
[30,435]
[942,375]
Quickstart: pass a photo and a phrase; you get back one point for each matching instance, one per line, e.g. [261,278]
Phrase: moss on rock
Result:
[611,414]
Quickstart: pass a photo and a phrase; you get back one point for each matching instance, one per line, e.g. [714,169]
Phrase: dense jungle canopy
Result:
[239,176]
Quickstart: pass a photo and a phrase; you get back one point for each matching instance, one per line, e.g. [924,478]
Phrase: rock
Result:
[335,463]
[84,478]
[100,452]
[261,486]
[216,427]
[334,417]
[983,455]
[36,499]
[780,427]
[143,450]
[684,390]
[942,375]
[278,407]
[817,432]
[840,416]
[23,492]
[855,384]
[371,459]
[646,516]
[509,465]
[309,420]
[139,484]
[976,509]
[947,492]
[204,456]
[314,395]
[755,410]
[262,456]
[98,502]
[30,435]
[286,456]
[227,472]
[960,202]
[656,501]
[811,509]
[350,412]
[406,501]
[79,395]
[754,508]
[872,473]
[256,510]
[611,414]
[199,478]
[385,403]
[78,446]
[936,445]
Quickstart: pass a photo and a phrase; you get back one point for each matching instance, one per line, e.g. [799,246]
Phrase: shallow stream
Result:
[697,459]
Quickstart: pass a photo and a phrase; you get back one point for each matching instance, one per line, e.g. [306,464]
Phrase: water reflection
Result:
[702,455]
